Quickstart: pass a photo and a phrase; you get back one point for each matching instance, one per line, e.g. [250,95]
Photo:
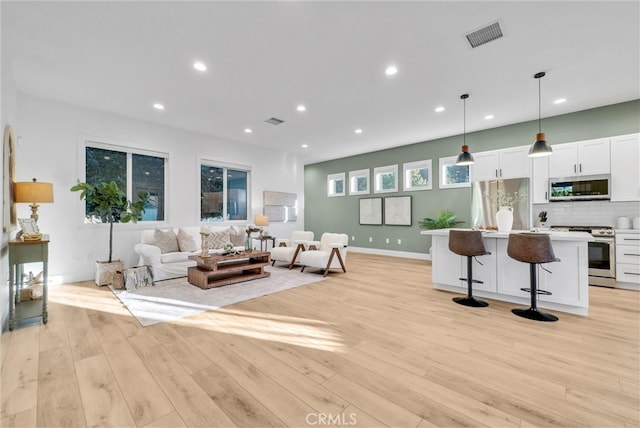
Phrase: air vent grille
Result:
[274,121]
[484,35]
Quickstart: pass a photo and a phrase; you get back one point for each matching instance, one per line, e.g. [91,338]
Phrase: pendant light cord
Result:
[539,107]
[464,121]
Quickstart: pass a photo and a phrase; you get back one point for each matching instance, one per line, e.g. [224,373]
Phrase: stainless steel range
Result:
[602,253]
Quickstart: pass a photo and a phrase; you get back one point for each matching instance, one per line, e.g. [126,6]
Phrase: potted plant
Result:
[444,219]
[107,202]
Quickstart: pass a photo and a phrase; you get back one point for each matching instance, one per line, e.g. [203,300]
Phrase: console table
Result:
[218,270]
[21,252]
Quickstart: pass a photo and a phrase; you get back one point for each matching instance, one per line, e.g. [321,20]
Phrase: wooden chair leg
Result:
[299,248]
[334,251]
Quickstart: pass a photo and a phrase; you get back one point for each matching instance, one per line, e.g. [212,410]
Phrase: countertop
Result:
[555,235]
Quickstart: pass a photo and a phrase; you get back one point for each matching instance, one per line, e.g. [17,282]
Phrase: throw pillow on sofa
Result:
[186,243]
[237,235]
[166,241]
[217,240]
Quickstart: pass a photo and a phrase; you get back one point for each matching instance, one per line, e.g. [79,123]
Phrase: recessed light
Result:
[248,130]
[158,106]
[147,173]
[560,101]
[199,66]
[301,107]
[304,146]
[439,109]
[488,117]
[391,70]
[358,131]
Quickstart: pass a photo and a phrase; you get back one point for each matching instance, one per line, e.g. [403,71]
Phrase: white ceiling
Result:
[264,58]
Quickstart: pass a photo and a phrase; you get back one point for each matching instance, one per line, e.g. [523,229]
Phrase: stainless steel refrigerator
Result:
[485,202]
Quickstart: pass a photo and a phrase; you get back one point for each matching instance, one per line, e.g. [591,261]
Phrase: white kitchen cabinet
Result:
[540,180]
[563,279]
[451,263]
[507,163]
[512,275]
[589,157]
[628,259]
[625,174]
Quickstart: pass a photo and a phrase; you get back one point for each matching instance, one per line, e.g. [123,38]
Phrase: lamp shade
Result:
[32,192]
[261,220]
[465,158]
[540,147]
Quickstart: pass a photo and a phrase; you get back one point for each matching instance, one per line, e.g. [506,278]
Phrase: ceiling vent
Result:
[274,121]
[484,35]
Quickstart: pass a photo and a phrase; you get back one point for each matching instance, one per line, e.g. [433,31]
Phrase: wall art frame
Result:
[397,211]
[371,211]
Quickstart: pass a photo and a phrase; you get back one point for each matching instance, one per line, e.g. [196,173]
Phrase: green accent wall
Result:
[341,214]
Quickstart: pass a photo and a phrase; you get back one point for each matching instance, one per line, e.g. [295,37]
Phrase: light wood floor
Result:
[377,346]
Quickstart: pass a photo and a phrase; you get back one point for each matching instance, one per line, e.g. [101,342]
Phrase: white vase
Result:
[504,219]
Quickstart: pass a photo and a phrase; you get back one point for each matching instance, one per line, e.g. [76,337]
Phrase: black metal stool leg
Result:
[533,313]
[470,300]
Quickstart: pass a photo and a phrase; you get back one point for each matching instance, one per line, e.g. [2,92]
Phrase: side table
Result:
[21,252]
[264,239]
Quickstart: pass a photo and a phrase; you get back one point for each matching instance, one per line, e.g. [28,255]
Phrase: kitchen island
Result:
[503,277]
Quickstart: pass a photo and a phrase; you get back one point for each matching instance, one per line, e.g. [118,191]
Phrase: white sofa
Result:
[174,264]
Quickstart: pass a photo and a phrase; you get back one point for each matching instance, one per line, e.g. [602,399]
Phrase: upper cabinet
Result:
[581,158]
[506,163]
[540,180]
[625,175]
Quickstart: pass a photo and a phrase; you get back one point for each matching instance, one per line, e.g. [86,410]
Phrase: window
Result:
[224,192]
[386,179]
[359,182]
[335,184]
[452,175]
[417,175]
[133,171]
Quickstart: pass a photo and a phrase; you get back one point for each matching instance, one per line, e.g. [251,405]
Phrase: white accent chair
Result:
[331,253]
[288,250]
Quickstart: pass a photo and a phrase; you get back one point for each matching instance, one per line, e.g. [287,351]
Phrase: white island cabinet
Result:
[503,277]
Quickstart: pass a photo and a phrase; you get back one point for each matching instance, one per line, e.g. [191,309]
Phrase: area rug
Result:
[176,298]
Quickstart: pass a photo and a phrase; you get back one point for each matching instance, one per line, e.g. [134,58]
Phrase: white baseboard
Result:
[392,253]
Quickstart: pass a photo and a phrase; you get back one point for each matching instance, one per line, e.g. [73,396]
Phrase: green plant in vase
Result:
[444,219]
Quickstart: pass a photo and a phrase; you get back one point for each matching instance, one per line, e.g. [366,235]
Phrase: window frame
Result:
[409,166]
[354,175]
[378,171]
[225,166]
[331,188]
[88,141]
[446,161]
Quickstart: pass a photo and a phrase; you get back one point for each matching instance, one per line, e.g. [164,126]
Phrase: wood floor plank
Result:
[144,397]
[102,399]
[172,420]
[26,418]
[19,388]
[191,402]
[59,400]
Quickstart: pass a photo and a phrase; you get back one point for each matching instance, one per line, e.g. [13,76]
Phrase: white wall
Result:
[49,132]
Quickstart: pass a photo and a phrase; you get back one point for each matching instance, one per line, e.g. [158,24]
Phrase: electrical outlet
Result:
[399,241]
[387,240]
[370,239]
[353,238]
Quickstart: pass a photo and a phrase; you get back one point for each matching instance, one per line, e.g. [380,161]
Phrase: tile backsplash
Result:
[585,213]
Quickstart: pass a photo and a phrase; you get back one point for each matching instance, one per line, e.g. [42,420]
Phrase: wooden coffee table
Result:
[218,270]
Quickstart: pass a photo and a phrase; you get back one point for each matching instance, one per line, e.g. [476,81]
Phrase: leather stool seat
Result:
[532,248]
[468,243]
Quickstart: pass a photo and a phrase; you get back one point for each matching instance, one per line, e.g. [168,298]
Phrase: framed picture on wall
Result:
[371,211]
[397,211]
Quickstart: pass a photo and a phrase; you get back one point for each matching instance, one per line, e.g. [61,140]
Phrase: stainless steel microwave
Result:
[585,188]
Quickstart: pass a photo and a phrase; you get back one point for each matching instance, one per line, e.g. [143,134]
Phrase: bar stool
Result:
[532,248]
[468,243]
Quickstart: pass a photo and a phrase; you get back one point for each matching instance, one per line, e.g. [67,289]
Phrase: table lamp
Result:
[33,192]
[261,221]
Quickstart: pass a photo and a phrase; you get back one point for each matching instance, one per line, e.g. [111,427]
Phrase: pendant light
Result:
[465,157]
[540,147]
